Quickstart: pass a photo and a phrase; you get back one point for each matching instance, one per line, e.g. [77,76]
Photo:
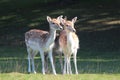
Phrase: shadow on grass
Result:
[15,60]
[90,60]
[91,66]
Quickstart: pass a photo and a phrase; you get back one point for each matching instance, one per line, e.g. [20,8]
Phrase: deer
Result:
[56,52]
[42,41]
[69,44]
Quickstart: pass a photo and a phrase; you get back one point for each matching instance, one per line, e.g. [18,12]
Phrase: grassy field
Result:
[97,28]
[19,76]
[13,66]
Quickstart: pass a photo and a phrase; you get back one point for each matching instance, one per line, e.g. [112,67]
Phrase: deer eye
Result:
[67,25]
[61,24]
[53,23]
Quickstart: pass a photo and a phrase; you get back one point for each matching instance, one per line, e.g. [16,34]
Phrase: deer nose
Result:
[74,30]
[61,28]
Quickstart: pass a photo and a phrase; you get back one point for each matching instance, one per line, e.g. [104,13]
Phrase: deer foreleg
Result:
[51,60]
[75,62]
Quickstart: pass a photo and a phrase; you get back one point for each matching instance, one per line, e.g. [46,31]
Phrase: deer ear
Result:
[48,18]
[62,21]
[74,19]
[65,18]
[59,17]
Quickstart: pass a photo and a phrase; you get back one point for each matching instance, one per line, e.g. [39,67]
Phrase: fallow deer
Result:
[42,42]
[56,52]
[69,44]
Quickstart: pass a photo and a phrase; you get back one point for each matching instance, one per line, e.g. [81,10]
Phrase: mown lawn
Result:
[20,76]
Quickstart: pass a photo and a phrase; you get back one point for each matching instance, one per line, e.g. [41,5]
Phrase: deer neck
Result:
[69,37]
[51,36]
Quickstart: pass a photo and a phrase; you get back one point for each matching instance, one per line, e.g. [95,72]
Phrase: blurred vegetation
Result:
[97,26]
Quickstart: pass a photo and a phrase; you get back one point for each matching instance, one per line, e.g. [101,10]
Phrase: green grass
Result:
[13,65]
[20,76]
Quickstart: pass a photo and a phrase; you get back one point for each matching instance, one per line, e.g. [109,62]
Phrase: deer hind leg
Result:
[75,62]
[46,63]
[32,58]
[51,60]
[65,64]
[43,61]
[29,50]
[61,62]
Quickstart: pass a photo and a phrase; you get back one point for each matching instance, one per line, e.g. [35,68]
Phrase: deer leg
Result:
[61,62]
[65,64]
[43,61]
[75,62]
[29,59]
[32,58]
[70,70]
[46,63]
[54,58]
[29,64]
[51,60]
[33,65]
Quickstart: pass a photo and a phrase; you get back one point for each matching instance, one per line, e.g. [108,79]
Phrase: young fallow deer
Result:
[42,42]
[56,52]
[69,44]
